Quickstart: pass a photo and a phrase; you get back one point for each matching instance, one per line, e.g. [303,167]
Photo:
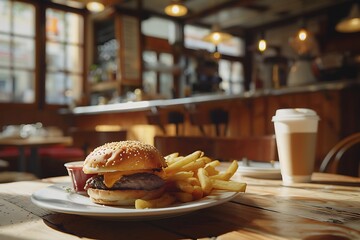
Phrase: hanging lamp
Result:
[95,6]
[216,36]
[262,43]
[176,9]
[351,23]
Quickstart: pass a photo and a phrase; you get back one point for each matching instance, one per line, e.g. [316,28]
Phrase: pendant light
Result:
[216,36]
[95,6]
[303,42]
[351,23]
[216,54]
[176,9]
[262,42]
[303,32]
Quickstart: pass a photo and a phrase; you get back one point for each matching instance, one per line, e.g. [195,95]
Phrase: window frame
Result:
[11,66]
[65,43]
[40,55]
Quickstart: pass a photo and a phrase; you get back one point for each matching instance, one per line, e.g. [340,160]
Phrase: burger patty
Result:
[137,181]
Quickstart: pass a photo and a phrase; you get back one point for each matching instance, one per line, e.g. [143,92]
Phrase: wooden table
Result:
[327,208]
[33,143]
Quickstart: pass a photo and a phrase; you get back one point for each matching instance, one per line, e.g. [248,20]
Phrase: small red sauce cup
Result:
[78,177]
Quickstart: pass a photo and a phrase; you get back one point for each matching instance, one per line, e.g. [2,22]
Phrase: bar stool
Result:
[153,118]
[219,117]
[161,118]
[216,117]
[177,118]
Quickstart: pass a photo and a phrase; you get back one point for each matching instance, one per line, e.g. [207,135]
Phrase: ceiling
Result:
[234,16]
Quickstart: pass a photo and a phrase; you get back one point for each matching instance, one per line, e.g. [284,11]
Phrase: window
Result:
[193,38]
[158,27]
[150,76]
[64,51]
[158,75]
[17,52]
[156,79]
[232,74]
[166,78]
[64,54]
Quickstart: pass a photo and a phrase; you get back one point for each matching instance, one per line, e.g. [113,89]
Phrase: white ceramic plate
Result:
[61,198]
[259,169]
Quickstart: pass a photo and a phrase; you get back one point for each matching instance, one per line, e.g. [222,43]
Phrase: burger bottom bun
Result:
[122,197]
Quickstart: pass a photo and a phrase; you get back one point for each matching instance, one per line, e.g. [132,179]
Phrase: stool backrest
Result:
[343,157]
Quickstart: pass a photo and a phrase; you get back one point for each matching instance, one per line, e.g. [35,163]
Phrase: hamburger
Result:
[124,171]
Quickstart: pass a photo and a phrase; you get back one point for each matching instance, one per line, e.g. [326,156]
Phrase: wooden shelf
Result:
[162,68]
[105,86]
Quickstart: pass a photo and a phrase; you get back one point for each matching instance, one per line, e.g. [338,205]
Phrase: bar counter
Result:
[249,114]
[147,105]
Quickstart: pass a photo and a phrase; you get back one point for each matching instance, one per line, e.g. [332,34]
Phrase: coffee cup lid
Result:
[289,114]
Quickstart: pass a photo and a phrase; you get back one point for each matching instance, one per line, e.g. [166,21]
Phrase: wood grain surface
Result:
[327,208]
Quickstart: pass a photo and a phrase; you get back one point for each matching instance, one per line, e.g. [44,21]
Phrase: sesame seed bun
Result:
[123,156]
[122,197]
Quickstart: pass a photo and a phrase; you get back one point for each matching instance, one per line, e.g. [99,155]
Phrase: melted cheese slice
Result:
[111,177]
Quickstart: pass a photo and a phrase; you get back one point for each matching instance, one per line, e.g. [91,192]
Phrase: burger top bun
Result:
[123,156]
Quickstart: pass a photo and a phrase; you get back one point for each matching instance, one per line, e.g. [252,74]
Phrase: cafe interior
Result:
[180,119]
[181,75]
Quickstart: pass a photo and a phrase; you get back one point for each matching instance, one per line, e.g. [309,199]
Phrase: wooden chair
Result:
[344,157]
[259,148]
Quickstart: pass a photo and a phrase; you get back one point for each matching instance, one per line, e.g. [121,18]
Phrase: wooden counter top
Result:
[327,208]
[147,105]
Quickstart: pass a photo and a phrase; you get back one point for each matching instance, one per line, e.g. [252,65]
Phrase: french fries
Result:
[205,182]
[183,175]
[228,185]
[173,167]
[192,177]
[165,200]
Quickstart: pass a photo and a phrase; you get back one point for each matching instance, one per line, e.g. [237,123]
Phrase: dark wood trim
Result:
[64,7]
[295,19]
[248,58]
[40,55]
[216,9]
[141,39]
[85,97]
[157,44]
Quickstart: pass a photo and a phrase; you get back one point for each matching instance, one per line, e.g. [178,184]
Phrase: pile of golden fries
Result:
[192,177]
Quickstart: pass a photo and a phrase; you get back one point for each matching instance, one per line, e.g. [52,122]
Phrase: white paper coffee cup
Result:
[296,133]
